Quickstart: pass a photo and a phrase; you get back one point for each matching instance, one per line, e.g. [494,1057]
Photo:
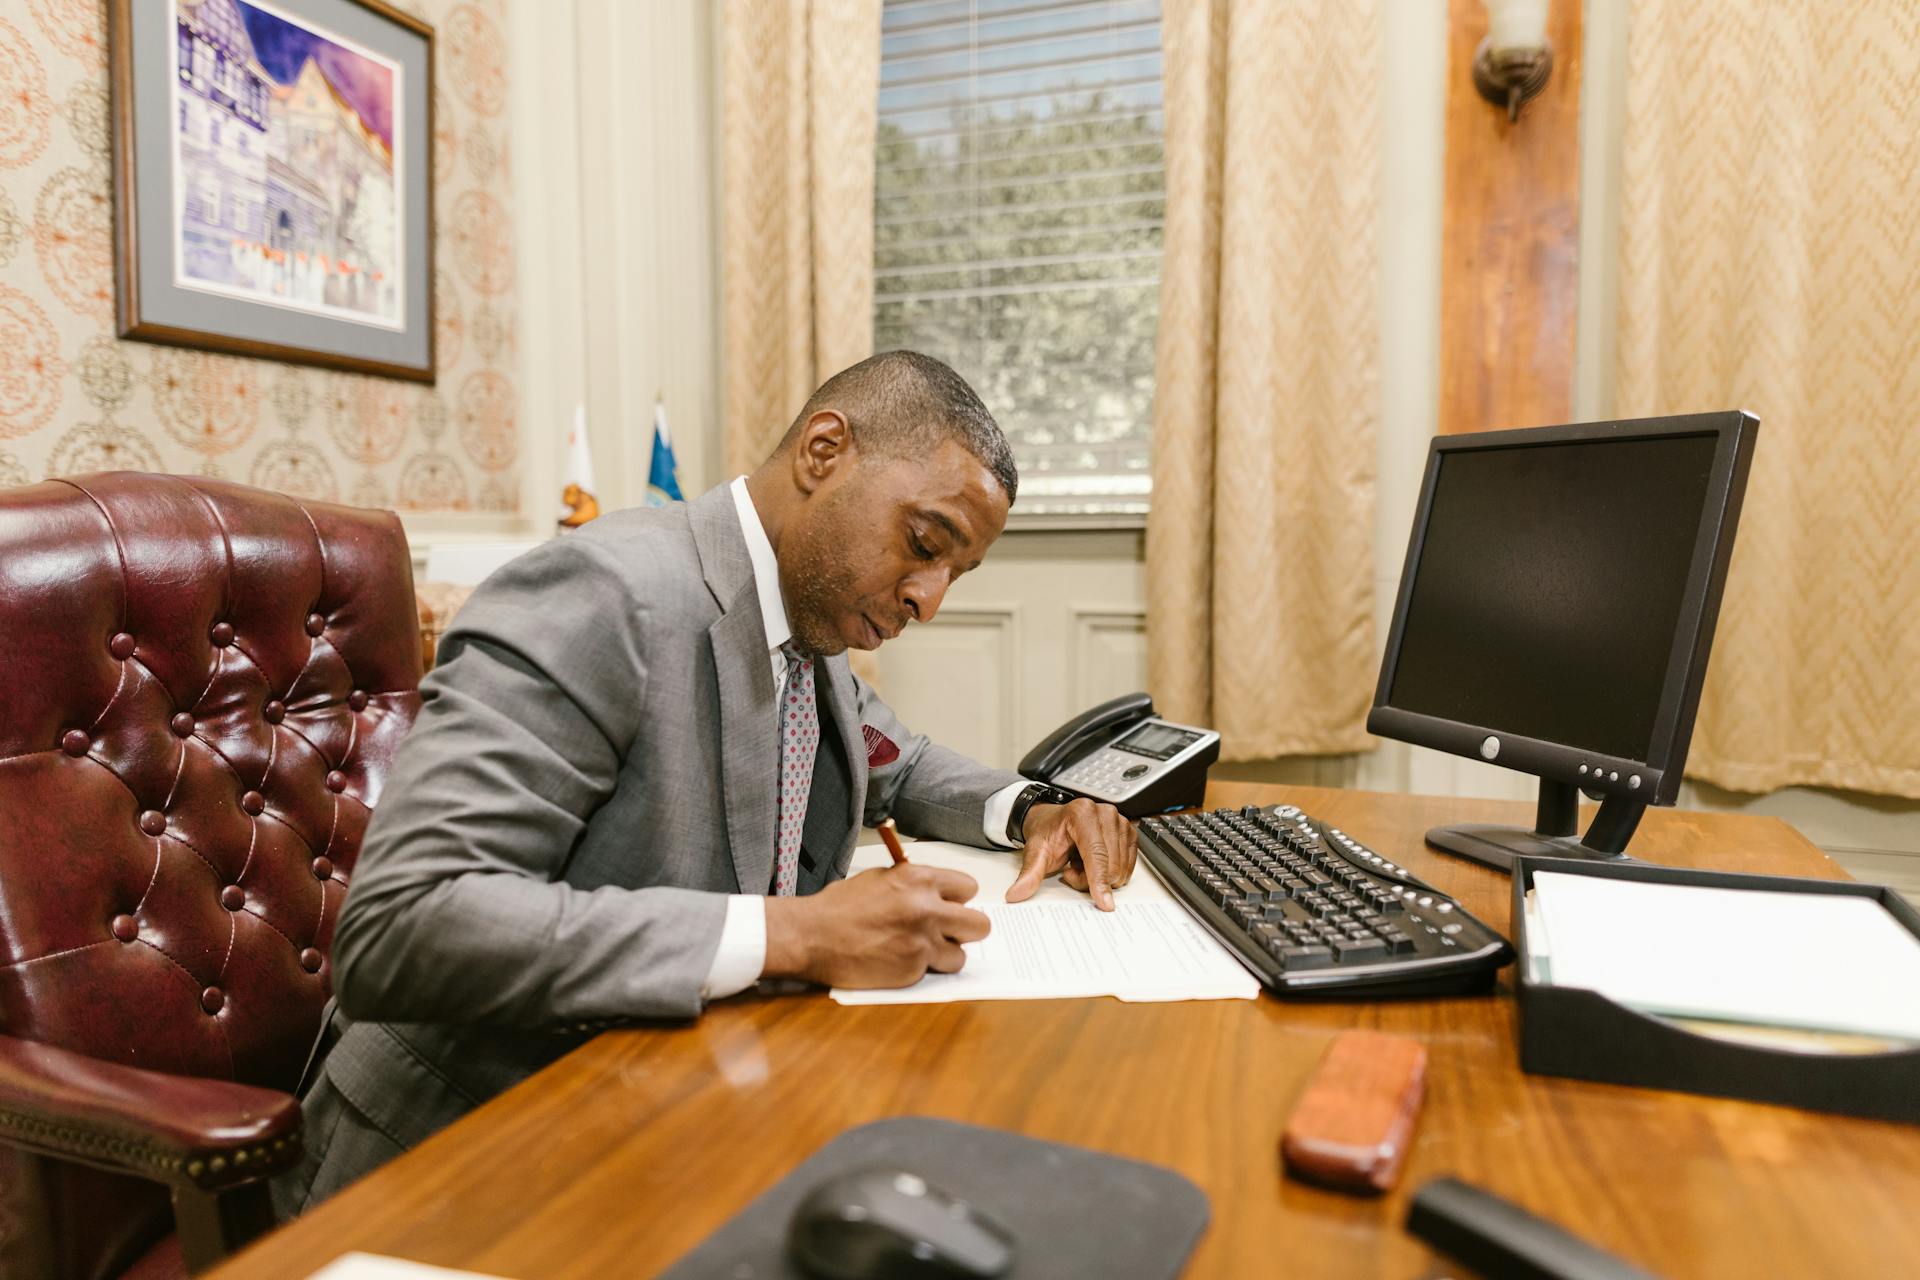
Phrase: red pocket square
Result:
[881,750]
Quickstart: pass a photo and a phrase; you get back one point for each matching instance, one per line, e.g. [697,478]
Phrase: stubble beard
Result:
[818,591]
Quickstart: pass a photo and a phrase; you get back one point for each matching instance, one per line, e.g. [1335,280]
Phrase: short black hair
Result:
[902,404]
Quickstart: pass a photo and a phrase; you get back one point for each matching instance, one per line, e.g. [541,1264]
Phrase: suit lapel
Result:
[837,827]
[749,741]
[749,746]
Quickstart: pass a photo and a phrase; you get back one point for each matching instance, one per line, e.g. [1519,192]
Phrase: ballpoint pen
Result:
[890,837]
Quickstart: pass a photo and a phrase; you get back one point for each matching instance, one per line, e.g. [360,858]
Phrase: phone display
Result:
[1158,740]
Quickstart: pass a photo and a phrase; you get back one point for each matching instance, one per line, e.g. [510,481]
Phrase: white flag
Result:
[578,493]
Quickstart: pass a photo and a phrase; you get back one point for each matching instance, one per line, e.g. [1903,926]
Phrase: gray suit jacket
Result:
[594,768]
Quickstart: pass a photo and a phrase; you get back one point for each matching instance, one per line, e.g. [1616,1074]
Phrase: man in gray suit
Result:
[642,762]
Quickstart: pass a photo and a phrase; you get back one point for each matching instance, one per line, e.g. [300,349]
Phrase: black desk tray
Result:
[1570,1031]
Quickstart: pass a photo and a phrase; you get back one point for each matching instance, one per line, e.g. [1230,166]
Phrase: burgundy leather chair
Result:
[202,687]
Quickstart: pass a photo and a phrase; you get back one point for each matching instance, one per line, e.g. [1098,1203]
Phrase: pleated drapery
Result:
[801,101]
[1769,260]
[1259,545]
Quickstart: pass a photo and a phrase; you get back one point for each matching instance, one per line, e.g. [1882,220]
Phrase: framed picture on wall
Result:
[273,184]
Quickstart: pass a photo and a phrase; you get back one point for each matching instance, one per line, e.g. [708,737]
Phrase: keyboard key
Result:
[1361,949]
[1399,943]
[1305,957]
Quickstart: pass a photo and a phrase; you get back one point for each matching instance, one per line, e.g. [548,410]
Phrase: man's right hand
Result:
[881,928]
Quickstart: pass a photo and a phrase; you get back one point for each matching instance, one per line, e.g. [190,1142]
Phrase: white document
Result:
[1057,944]
[367,1266]
[1824,962]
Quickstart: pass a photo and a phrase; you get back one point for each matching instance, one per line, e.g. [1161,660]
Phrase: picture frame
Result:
[273,180]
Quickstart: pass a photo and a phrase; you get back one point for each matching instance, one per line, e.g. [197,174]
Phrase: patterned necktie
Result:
[799,738]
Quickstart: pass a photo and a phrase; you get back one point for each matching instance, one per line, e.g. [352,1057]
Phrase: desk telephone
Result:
[1124,754]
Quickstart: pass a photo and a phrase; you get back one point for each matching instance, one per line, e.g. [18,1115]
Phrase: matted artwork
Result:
[273,181]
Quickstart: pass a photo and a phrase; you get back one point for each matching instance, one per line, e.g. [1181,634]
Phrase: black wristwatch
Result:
[1035,793]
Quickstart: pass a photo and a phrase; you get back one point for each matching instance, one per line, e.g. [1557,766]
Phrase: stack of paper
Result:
[368,1266]
[1058,944]
[1812,961]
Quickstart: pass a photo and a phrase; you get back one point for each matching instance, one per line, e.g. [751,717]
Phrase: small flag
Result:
[578,494]
[663,486]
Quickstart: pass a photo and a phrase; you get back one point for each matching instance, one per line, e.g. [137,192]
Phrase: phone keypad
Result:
[1108,774]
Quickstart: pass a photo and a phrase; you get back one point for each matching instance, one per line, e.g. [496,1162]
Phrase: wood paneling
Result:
[1048,590]
[629,1151]
[1109,654]
[958,679]
[1510,251]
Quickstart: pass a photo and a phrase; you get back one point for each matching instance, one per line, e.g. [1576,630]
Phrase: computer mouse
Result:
[889,1224]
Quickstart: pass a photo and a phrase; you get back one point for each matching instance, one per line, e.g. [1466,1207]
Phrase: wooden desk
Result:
[622,1156]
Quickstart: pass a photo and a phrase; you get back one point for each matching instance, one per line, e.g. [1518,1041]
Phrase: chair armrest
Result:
[186,1131]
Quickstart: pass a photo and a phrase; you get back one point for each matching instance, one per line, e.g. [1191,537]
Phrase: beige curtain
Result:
[801,86]
[1259,561]
[1768,260]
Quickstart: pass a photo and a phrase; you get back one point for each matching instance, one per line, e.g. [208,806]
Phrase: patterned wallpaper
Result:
[73,398]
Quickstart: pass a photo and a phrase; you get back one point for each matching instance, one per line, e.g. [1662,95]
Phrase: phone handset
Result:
[1082,733]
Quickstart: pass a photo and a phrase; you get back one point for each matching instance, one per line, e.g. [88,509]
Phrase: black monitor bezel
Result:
[1659,775]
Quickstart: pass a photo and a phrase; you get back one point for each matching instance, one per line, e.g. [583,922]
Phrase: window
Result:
[1018,207]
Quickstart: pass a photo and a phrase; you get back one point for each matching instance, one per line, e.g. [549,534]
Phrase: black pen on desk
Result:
[890,838]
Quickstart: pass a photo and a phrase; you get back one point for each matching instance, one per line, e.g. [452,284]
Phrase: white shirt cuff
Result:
[999,809]
[742,956]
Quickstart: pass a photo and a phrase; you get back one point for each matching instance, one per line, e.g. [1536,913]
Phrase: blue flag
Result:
[663,486]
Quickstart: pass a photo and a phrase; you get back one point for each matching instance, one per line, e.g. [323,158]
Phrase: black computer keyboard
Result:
[1313,911]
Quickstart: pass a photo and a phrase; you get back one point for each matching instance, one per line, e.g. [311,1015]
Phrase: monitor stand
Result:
[1553,836]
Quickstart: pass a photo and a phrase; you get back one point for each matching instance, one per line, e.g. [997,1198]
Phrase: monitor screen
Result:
[1549,586]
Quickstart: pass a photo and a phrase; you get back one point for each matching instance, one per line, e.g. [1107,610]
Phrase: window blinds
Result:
[1018,214]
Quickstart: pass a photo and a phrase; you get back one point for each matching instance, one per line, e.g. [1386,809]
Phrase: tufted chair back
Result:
[202,687]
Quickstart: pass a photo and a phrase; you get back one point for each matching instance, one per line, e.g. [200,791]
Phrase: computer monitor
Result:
[1556,611]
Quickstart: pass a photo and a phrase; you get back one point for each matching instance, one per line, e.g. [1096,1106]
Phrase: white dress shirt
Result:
[742,955]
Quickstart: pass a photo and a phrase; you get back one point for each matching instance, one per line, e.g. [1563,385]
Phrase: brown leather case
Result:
[1353,1125]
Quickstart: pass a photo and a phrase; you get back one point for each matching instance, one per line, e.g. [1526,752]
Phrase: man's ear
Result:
[826,447]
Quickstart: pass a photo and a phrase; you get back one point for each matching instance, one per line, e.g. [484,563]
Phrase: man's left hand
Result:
[1088,843]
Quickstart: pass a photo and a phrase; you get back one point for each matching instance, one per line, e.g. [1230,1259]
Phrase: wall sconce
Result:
[1513,62]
